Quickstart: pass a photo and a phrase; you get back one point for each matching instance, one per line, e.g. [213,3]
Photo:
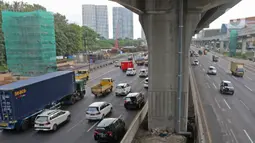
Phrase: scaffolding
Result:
[29,42]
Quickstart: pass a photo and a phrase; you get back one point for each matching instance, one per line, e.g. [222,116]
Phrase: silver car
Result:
[226,87]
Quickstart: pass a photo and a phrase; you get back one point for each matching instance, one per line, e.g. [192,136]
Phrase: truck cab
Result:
[82,74]
[215,58]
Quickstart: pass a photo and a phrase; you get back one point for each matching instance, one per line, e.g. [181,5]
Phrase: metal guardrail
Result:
[200,138]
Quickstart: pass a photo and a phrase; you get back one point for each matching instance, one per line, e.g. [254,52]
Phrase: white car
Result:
[130,71]
[143,73]
[117,64]
[196,62]
[98,110]
[122,89]
[146,83]
[51,119]
[212,70]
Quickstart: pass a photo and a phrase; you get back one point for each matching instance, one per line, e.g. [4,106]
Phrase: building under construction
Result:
[29,42]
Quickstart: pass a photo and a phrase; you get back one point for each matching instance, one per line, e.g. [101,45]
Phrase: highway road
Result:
[230,118]
[79,130]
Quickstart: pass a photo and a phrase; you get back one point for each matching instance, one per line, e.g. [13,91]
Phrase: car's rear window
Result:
[41,119]
[92,109]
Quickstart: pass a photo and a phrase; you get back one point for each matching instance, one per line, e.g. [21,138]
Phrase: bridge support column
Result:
[222,47]
[161,31]
[244,42]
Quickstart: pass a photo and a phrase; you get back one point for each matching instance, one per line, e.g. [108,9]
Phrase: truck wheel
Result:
[72,100]
[111,89]
[25,125]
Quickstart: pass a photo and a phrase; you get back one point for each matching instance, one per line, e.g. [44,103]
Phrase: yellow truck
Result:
[104,87]
[82,75]
[237,69]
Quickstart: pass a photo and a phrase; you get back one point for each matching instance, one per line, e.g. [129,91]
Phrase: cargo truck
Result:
[126,64]
[237,69]
[22,101]
[139,61]
[104,87]
[82,75]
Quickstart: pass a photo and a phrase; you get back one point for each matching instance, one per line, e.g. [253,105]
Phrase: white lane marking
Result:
[142,80]
[234,77]
[214,85]
[92,126]
[247,135]
[229,121]
[233,135]
[208,76]
[249,78]
[203,69]
[120,116]
[208,85]
[248,87]
[226,103]
[76,124]
[244,105]
[217,102]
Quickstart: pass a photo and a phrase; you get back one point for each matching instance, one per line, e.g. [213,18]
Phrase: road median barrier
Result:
[135,124]
[202,130]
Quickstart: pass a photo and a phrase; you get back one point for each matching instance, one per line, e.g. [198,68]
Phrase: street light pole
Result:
[86,48]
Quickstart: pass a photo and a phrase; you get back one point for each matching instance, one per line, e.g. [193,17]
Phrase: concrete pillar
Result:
[244,42]
[222,47]
[162,37]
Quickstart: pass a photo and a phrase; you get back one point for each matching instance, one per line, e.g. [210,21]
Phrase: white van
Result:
[98,110]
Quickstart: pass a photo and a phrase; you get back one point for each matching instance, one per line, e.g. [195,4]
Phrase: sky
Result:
[72,9]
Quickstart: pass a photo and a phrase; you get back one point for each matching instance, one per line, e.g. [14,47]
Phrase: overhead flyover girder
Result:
[209,10]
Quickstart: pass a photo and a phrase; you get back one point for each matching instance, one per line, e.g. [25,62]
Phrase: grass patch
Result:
[239,55]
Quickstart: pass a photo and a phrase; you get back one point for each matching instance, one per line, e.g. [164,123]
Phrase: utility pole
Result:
[86,48]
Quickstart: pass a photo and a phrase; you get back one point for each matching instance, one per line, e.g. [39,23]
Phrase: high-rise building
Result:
[96,18]
[122,23]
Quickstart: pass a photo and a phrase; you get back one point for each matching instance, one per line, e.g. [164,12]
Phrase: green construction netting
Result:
[29,42]
[233,43]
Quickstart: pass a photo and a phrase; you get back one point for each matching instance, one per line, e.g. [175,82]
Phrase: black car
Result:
[226,87]
[110,130]
[134,101]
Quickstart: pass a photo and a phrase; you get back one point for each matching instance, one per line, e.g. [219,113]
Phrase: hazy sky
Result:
[72,9]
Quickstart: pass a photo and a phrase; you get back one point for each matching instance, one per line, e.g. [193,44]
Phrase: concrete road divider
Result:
[134,126]
[200,119]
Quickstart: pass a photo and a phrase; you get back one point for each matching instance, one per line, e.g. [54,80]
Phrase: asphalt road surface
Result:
[230,118]
[79,130]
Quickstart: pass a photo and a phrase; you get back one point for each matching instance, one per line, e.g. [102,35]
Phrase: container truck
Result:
[140,61]
[237,69]
[126,64]
[22,101]
[104,87]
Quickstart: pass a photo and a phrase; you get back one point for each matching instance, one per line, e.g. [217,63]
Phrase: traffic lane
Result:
[126,115]
[209,106]
[77,111]
[82,127]
[246,95]
[239,116]
[225,64]
[228,119]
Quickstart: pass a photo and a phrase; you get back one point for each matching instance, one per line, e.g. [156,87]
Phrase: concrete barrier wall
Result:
[200,138]
[134,126]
